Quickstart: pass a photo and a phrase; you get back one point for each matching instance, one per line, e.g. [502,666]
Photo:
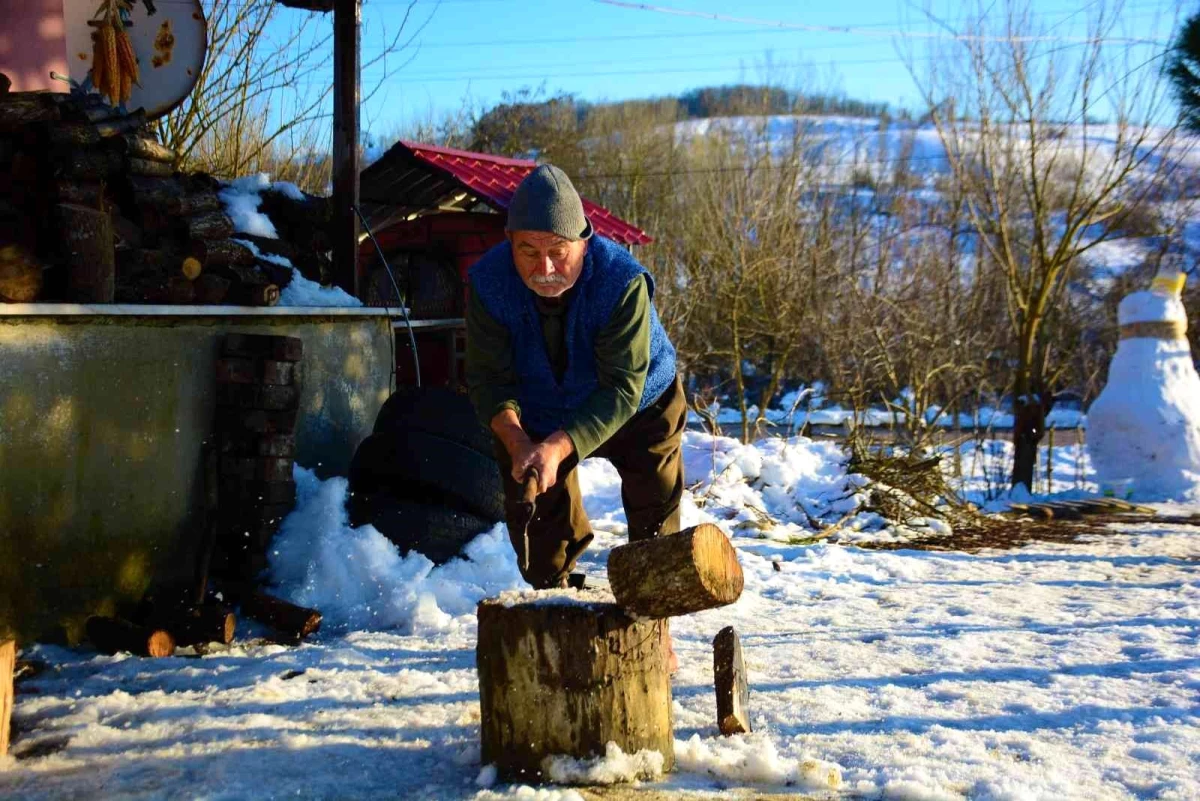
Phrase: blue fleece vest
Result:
[546,404]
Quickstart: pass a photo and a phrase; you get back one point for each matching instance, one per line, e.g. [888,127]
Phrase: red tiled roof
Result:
[493,179]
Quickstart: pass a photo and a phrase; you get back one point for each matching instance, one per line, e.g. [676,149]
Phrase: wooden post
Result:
[347,16]
[1050,461]
[678,574]
[8,662]
[566,675]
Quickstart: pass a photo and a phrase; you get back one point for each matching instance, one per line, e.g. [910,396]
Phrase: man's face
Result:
[548,264]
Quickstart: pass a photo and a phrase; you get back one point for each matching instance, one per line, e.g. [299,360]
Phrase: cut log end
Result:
[160,644]
[191,268]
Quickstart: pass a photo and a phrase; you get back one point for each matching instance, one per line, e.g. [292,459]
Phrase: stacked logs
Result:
[258,397]
[93,210]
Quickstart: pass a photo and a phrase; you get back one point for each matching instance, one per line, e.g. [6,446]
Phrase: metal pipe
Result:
[412,340]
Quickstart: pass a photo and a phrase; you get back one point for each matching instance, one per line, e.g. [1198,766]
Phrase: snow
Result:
[1145,437]
[1055,671]
[242,197]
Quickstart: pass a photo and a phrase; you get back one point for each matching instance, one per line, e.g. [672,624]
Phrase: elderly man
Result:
[566,359]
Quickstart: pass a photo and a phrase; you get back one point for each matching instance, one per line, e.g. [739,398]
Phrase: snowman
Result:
[1144,428]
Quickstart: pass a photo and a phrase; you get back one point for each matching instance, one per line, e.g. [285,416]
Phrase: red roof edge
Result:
[467,154]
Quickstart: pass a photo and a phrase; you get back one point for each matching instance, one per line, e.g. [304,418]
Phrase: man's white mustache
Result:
[548,279]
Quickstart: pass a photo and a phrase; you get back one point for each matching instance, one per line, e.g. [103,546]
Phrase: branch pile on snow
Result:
[795,489]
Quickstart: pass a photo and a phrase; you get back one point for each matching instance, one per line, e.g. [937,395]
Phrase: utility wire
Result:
[862,30]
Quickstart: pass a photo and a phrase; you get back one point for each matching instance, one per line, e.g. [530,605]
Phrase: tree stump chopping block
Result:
[678,574]
[566,675]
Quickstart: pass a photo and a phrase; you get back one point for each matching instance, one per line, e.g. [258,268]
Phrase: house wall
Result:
[101,422]
[33,43]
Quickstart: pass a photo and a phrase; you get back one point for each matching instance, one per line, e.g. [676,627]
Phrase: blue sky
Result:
[480,48]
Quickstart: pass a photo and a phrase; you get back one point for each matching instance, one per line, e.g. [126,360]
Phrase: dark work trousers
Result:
[646,453]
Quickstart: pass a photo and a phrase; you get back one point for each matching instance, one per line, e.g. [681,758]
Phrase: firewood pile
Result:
[94,210]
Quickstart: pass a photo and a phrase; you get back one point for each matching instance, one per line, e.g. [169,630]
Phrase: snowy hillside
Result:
[1056,671]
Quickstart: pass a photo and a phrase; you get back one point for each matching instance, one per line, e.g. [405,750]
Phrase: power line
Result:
[631,37]
[862,30]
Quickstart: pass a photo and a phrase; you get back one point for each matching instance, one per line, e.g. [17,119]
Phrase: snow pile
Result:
[241,198]
[754,759]
[615,767]
[1144,438]
[788,490]
[359,580]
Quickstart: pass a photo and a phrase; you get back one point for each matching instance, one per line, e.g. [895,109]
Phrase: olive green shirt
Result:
[622,362]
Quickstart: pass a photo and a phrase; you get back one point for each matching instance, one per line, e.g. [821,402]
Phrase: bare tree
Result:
[262,99]
[1043,181]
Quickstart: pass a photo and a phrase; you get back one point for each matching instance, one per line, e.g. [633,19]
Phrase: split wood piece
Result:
[297,622]
[280,348]
[210,225]
[20,275]
[678,574]
[158,169]
[173,195]
[203,624]
[109,126]
[72,134]
[263,295]
[277,274]
[568,678]
[142,148]
[18,109]
[221,253]
[180,291]
[90,165]
[87,247]
[733,692]
[112,635]
[233,370]
[211,289]
[8,662]
[311,264]
[258,396]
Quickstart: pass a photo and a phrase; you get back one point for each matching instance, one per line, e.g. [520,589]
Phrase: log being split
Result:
[733,692]
[567,674]
[8,662]
[691,571]
[112,635]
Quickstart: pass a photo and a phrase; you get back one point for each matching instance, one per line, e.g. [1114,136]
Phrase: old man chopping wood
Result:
[566,359]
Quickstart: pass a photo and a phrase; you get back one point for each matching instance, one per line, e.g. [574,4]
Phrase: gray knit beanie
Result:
[547,201]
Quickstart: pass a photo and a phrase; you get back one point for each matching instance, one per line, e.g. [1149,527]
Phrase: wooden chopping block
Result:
[678,574]
[566,675]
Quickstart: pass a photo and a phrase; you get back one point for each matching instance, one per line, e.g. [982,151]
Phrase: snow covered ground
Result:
[1056,671]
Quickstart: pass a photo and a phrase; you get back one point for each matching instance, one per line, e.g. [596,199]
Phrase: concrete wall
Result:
[101,422]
